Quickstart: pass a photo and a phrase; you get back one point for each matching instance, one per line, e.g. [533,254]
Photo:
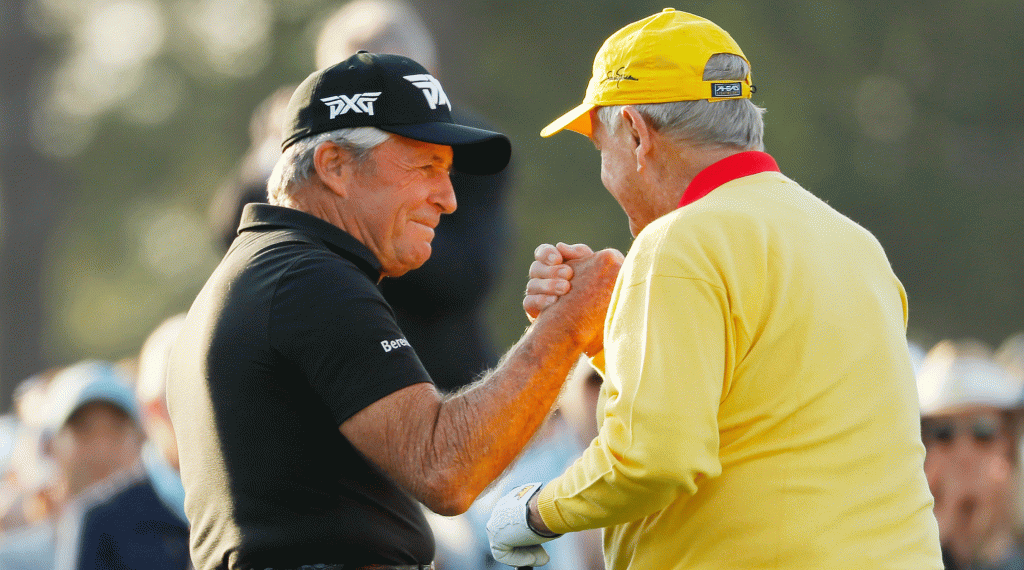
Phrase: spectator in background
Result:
[970,425]
[578,402]
[1010,356]
[30,501]
[160,454]
[248,184]
[28,498]
[8,482]
[114,517]
[578,405]
[438,308]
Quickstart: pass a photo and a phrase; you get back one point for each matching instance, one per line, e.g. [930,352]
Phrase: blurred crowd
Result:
[90,467]
[971,412]
[89,464]
[89,458]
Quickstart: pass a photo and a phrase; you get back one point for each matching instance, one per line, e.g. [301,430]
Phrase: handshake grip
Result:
[589,277]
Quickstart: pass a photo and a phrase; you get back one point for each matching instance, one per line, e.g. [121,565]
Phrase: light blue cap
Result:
[87,382]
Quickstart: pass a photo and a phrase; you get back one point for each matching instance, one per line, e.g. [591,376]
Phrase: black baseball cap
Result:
[394,94]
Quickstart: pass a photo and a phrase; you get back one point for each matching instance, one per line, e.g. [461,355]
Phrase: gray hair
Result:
[736,123]
[296,163]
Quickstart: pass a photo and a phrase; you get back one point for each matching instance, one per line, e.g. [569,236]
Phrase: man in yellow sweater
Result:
[759,408]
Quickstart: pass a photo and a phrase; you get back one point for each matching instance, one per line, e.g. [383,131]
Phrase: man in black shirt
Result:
[308,429]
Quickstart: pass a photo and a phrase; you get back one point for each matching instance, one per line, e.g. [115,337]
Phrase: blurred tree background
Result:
[120,119]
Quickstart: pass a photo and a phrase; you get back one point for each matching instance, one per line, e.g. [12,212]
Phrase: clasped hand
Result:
[550,275]
[584,279]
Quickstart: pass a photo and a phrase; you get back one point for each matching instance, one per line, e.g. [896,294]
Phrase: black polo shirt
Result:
[288,339]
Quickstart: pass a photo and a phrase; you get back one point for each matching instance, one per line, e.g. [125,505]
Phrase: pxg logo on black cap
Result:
[394,94]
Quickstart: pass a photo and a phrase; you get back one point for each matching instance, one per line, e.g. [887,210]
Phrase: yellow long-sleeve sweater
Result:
[759,408]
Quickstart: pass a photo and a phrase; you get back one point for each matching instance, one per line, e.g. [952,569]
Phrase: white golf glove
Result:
[513,542]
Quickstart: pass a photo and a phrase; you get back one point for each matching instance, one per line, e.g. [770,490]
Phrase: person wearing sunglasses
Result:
[970,425]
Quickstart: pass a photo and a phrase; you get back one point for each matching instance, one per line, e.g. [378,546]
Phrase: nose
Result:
[965,454]
[444,195]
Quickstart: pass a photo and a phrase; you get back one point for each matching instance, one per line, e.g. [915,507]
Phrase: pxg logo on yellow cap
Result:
[659,59]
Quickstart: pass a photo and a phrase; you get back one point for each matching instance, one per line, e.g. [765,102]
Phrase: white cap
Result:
[958,375]
[1010,356]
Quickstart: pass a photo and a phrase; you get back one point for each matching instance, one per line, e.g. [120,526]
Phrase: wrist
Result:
[534,521]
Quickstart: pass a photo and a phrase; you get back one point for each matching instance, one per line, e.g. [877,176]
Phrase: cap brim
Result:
[577,120]
[476,151]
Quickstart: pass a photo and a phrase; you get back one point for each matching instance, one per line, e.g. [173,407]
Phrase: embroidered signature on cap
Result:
[618,76]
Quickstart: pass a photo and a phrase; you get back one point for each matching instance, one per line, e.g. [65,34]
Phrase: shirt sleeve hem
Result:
[549,512]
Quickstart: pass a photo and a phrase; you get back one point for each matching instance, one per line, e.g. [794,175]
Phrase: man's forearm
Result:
[445,451]
[481,430]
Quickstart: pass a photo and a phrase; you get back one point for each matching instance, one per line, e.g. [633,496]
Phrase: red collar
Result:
[725,170]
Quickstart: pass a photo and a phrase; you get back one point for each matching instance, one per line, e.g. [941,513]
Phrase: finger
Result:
[534,304]
[547,253]
[601,260]
[575,251]
[547,287]
[539,270]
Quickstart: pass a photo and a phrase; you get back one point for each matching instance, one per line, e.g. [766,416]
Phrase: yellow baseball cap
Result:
[656,60]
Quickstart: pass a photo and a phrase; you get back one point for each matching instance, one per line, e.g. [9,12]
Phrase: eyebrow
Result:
[443,161]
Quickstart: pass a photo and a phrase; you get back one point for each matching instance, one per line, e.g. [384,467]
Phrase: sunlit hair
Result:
[296,163]
[732,123]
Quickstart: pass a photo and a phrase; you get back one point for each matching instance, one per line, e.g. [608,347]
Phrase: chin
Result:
[423,254]
[409,263]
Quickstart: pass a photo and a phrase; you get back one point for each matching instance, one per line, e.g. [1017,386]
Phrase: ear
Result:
[334,167]
[643,137]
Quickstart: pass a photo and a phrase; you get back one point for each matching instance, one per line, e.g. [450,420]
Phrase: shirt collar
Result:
[726,170]
[264,217]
